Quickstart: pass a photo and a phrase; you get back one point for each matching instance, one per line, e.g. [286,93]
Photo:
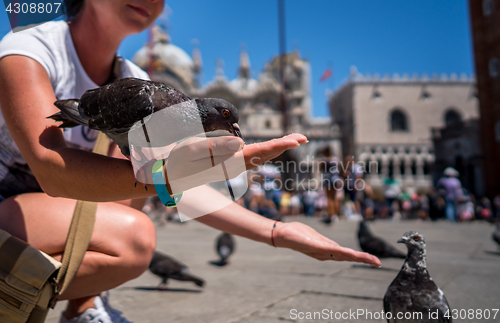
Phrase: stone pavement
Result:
[267,285]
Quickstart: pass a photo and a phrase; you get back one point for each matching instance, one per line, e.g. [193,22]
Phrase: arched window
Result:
[487,7]
[494,67]
[398,120]
[452,116]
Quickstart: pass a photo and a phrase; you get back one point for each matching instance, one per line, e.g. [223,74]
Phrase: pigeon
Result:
[496,234]
[224,247]
[375,245]
[116,107]
[167,267]
[413,291]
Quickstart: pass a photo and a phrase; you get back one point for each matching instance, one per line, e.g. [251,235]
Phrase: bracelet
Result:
[160,186]
[272,234]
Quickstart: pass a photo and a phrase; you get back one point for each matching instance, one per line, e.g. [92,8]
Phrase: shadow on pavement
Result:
[154,289]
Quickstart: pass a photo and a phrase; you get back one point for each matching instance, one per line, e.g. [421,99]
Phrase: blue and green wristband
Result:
[161,188]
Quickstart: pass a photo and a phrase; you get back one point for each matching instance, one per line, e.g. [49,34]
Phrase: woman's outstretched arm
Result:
[237,220]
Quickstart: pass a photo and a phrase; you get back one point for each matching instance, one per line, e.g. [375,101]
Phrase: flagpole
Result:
[282,48]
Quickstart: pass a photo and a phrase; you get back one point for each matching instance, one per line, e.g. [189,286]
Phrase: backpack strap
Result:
[80,230]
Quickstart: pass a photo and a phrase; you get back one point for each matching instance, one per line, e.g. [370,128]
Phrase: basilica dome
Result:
[166,58]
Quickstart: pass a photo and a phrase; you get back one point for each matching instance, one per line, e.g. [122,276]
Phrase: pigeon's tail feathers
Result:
[188,276]
[70,114]
[199,282]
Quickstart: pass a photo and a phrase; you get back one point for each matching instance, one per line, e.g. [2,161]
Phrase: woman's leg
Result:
[120,249]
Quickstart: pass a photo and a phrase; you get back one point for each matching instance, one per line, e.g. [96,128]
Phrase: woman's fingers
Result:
[345,254]
[259,153]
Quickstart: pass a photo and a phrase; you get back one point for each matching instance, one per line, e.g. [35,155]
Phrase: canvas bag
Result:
[31,280]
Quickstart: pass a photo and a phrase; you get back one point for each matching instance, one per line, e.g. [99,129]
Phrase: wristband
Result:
[272,234]
[161,188]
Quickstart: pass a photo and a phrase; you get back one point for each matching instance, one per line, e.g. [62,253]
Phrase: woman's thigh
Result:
[44,222]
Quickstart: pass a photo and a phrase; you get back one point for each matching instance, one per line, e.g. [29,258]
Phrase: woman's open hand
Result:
[196,161]
[300,237]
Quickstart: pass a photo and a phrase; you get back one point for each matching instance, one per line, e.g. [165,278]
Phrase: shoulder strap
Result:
[80,230]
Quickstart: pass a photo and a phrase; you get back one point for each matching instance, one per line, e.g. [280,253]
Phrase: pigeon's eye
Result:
[416,238]
[226,113]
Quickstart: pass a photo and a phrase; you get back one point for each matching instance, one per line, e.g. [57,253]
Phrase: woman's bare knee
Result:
[139,244]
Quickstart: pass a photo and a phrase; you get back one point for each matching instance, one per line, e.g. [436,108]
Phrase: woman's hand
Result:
[196,161]
[300,237]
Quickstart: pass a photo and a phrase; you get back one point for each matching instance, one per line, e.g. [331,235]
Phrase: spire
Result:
[197,62]
[160,35]
[244,69]
[219,69]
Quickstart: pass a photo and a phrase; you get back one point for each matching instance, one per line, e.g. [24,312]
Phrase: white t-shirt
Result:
[51,45]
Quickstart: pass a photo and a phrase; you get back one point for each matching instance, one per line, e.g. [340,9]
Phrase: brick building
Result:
[485,23]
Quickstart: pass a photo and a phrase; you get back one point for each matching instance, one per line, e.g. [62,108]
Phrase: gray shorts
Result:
[18,180]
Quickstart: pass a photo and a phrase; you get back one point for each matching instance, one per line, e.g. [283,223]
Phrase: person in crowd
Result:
[453,191]
[309,197]
[364,198]
[392,190]
[496,206]
[332,183]
[295,203]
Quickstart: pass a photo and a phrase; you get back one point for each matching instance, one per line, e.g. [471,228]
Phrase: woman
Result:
[59,60]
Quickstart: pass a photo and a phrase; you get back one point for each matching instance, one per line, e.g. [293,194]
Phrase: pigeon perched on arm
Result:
[116,107]
[224,247]
[413,291]
[167,267]
[375,245]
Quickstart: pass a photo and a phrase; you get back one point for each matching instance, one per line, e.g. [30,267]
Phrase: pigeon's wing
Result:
[392,252]
[186,275]
[372,245]
[163,265]
[387,303]
[444,309]
[428,297]
[117,106]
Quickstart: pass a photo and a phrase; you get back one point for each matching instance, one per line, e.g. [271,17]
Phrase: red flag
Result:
[326,74]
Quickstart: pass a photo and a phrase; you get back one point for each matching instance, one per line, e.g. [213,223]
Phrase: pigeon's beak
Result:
[236,130]
[402,240]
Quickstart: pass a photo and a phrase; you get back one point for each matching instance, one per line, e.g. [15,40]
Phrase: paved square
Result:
[267,285]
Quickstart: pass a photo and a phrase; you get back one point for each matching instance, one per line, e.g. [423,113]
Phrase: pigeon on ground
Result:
[413,291]
[224,247]
[496,234]
[167,267]
[116,107]
[375,245]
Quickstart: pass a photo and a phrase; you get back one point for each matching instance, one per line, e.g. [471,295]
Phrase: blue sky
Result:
[385,37]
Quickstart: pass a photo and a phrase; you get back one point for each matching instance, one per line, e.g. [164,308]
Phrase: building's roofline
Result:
[424,79]
[414,78]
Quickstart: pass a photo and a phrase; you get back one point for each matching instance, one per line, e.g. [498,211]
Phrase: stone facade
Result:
[257,99]
[458,145]
[387,121]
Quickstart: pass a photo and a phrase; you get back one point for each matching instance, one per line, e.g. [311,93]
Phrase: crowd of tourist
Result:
[344,194]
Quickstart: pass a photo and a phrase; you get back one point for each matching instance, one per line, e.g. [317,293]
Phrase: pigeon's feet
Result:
[162,287]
